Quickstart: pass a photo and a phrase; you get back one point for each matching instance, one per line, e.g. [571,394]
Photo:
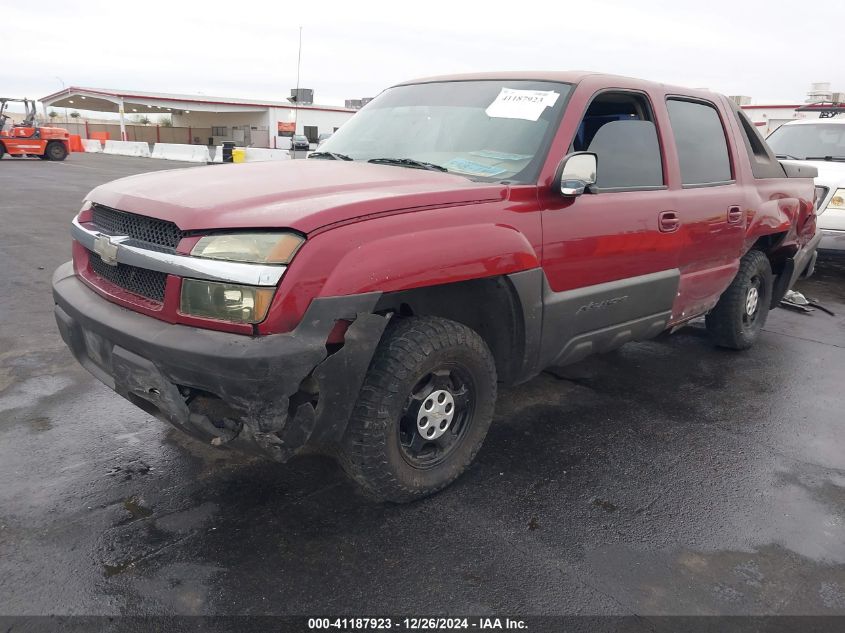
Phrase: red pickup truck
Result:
[457,233]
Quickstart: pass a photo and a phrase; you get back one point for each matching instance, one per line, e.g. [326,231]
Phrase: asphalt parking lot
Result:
[666,478]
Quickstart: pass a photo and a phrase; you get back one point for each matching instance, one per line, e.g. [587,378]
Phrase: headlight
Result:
[255,248]
[838,200]
[227,302]
[821,192]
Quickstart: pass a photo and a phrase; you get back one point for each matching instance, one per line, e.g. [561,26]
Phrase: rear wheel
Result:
[2,150]
[56,151]
[739,317]
[423,411]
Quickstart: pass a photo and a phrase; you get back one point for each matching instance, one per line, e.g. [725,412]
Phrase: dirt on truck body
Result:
[458,233]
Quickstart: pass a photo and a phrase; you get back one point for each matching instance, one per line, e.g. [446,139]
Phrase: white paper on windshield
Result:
[521,104]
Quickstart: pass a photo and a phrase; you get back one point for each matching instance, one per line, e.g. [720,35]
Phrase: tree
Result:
[144,120]
[53,114]
[74,115]
[165,121]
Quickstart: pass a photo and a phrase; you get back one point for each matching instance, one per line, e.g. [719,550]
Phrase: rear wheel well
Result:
[769,245]
[490,306]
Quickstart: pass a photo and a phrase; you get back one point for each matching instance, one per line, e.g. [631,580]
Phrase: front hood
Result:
[299,194]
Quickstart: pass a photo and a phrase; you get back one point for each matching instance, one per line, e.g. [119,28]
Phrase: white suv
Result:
[821,143]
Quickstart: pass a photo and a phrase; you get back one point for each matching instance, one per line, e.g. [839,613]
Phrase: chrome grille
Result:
[137,227]
[139,281]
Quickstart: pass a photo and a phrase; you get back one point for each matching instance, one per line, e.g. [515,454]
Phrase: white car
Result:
[820,143]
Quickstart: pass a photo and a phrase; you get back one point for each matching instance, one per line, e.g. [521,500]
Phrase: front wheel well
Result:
[490,306]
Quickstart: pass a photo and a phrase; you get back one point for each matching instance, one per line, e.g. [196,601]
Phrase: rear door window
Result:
[700,141]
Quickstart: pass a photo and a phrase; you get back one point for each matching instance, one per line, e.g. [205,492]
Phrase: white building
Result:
[201,119]
[768,118]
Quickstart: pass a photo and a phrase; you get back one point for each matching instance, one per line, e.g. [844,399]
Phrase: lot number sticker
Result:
[521,104]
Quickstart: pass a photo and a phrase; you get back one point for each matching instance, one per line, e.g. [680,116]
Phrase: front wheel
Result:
[423,411]
[740,314]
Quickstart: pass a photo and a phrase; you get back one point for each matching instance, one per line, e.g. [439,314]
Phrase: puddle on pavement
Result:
[135,509]
[769,580]
[605,505]
[110,571]
[29,392]
[40,424]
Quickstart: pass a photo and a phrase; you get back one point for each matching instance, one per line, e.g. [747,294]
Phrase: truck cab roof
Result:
[565,76]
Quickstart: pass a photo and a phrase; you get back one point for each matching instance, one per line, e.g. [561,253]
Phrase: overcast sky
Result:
[770,50]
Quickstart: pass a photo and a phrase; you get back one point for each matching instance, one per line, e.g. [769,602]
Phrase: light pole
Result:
[64,87]
[298,64]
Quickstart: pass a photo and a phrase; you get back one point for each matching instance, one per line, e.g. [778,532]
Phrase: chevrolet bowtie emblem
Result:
[106,249]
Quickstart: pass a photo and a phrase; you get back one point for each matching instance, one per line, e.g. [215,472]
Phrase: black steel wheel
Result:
[437,415]
[423,411]
[740,314]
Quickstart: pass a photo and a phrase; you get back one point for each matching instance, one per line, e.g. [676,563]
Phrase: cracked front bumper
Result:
[229,389]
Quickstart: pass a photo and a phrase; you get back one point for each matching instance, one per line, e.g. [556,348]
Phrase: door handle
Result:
[735,215]
[668,221]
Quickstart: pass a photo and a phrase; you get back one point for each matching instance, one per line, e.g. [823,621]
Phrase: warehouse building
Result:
[201,119]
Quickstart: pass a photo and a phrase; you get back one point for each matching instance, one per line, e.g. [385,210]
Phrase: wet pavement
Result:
[668,477]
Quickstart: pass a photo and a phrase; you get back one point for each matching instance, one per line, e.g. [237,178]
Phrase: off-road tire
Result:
[55,151]
[728,323]
[411,348]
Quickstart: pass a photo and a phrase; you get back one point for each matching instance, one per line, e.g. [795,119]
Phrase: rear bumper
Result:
[275,394]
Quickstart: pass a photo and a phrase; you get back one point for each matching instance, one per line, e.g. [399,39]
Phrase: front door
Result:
[611,255]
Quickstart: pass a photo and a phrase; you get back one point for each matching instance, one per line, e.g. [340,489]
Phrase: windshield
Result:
[817,140]
[484,130]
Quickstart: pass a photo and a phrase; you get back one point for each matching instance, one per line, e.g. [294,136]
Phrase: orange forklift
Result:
[27,138]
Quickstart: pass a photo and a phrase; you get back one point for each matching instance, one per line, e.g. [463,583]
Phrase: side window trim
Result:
[631,189]
[716,183]
[652,119]
[764,163]
[728,144]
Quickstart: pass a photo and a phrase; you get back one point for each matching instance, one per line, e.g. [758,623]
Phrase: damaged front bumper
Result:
[276,395]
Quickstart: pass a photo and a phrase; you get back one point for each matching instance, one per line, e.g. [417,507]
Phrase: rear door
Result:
[711,205]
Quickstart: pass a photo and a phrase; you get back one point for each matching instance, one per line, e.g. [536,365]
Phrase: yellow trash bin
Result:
[238,155]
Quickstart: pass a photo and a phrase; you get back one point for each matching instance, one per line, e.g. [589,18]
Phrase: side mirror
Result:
[577,172]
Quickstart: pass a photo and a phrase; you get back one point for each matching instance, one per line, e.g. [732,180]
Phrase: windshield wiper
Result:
[329,155]
[827,158]
[407,162]
[787,156]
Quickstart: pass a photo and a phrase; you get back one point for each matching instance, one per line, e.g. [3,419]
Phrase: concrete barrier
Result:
[183,152]
[92,145]
[259,154]
[255,154]
[128,148]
